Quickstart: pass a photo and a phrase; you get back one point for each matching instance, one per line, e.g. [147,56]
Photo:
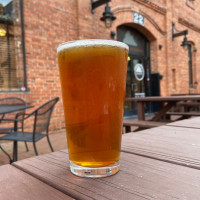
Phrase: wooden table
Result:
[166,103]
[158,163]
[16,184]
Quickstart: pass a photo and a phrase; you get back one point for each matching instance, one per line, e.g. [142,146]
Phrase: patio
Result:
[58,140]
[157,163]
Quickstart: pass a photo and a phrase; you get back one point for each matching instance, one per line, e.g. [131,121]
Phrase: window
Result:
[174,79]
[192,65]
[12,51]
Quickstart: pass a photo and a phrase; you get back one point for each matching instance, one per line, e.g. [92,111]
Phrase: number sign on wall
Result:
[138,18]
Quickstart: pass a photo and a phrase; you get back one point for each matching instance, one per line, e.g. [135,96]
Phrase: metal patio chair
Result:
[9,157]
[5,129]
[41,117]
[11,101]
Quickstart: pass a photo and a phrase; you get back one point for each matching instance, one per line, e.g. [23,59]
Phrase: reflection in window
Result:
[129,39]
[11,52]
[133,38]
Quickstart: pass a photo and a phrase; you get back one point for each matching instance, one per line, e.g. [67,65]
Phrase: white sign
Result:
[140,94]
[138,18]
[139,72]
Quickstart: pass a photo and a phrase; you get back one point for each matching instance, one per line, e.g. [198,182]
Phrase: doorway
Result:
[138,69]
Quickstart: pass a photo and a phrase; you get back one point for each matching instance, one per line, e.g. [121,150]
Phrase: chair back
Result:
[43,116]
[12,101]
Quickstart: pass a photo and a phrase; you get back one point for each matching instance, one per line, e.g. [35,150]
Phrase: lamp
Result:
[186,45]
[108,16]
[2,32]
[185,42]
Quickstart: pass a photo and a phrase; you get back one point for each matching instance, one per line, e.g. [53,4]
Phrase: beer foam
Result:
[91,42]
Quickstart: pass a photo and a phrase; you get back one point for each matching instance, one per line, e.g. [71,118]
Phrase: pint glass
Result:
[93,78]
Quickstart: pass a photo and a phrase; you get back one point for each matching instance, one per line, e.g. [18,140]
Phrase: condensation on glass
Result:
[11,49]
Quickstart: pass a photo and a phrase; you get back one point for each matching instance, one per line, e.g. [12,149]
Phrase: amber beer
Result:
[93,77]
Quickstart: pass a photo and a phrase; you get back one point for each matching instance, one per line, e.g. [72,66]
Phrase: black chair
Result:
[11,101]
[41,117]
[10,159]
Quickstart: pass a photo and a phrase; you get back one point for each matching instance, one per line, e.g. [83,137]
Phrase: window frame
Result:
[24,88]
[192,65]
[23,43]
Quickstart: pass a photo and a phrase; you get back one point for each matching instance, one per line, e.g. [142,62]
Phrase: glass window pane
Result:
[11,52]
[134,39]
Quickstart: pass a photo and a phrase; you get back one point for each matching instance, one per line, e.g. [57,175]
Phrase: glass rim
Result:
[91,42]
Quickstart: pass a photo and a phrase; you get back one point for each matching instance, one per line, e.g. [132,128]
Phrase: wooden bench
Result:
[183,115]
[189,106]
[193,104]
[141,124]
[186,114]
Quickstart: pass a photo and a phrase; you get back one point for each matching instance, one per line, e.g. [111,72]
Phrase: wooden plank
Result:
[165,98]
[142,123]
[139,178]
[140,107]
[192,104]
[188,123]
[163,110]
[15,184]
[177,145]
[190,114]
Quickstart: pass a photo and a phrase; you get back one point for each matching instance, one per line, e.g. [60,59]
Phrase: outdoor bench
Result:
[141,124]
[184,114]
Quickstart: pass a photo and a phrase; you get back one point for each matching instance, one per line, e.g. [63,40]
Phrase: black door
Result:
[136,83]
[138,72]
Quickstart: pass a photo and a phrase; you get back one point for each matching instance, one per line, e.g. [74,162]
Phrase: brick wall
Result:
[187,17]
[49,23]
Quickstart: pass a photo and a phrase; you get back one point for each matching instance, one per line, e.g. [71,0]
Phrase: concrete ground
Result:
[58,141]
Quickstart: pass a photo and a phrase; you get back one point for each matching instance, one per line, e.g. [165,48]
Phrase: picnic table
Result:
[158,163]
[165,104]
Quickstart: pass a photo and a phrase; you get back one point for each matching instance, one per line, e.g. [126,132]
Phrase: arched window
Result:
[192,65]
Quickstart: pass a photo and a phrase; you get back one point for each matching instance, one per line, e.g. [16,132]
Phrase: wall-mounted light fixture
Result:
[186,45]
[180,33]
[108,16]
[160,46]
[112,35]
[97,3]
